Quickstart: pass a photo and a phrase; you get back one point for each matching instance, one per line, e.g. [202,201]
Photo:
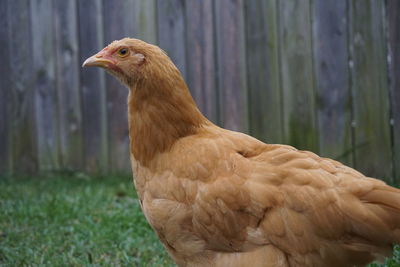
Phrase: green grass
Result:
[390,262]
[76,220]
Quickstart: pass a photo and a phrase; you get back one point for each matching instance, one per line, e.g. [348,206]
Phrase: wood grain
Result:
[68,85]
[145,16]
[370,89]
[201,69]
[332,79]
[44,81]
[23,132]
[393,24]
[299,116]
[262,46]
[5,91]
[171,31]
[232,84]
[93,94]
[118,23]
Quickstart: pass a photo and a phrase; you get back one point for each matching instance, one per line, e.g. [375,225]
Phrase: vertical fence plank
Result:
[232,82]
[393,24]
[200,58]
[23,135]
[93,94]
[5,90]
[145,20]
[69,108]
[171,31]
[297,75]
[263,70]
[370,89]
[44,82]
[118,23]
[332,79]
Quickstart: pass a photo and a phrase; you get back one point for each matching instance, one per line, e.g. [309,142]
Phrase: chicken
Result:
[221,198]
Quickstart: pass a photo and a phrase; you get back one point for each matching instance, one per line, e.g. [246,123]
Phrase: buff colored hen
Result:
[221,198]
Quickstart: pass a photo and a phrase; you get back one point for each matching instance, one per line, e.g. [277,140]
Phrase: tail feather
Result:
[387,196]
[385,203]
[383,208]
[374,220]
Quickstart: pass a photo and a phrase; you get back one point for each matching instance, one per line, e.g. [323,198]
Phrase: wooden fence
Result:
[322,75]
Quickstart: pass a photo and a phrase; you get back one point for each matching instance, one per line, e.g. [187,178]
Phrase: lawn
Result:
[76,220]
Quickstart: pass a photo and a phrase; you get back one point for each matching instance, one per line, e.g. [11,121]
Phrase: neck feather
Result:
[161,110]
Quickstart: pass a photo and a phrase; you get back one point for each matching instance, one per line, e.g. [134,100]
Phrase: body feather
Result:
[233,194]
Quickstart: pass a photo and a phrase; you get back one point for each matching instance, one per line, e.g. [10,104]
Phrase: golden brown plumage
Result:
[222,198]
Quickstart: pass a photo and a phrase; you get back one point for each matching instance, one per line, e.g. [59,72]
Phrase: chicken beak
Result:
[97,61]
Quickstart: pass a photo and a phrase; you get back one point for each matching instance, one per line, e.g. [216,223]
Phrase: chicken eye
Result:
[123,52]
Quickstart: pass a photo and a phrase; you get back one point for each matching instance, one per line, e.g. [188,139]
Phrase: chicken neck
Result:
[160,111]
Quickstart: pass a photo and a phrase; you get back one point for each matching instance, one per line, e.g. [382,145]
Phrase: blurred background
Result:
[322,75]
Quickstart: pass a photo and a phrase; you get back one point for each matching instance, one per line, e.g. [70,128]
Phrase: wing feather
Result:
[312,208]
